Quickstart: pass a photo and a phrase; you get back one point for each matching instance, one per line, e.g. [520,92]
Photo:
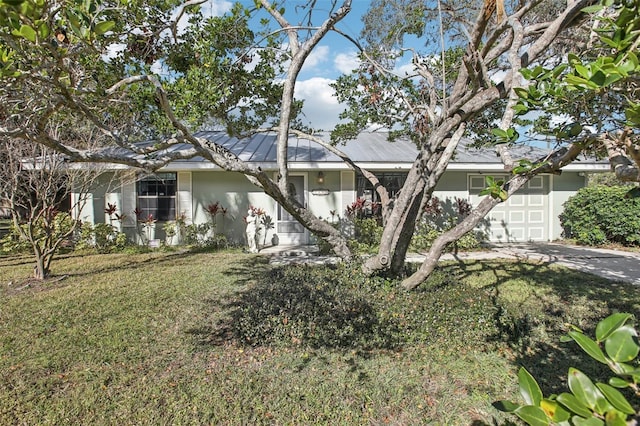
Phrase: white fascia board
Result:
[470,167]
[499,167]
[587,167]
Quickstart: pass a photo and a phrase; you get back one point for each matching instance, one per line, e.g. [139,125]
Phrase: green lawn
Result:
[170,338]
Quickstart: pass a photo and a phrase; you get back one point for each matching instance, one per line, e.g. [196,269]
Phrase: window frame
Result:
[393,181]
[156,196]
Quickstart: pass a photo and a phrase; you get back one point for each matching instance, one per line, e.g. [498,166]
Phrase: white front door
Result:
[289,230]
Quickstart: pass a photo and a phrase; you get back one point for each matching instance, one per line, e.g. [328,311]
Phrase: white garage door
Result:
[523,217]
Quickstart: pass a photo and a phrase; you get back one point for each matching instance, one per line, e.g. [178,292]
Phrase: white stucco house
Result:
[325,184]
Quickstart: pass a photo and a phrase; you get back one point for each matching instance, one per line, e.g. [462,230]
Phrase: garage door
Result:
[523,217]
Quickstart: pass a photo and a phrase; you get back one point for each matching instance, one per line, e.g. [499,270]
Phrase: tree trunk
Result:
[421,181]
[403,241]
[41,268]
[455,233]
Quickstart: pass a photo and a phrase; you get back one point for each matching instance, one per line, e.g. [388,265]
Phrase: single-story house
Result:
[327,186]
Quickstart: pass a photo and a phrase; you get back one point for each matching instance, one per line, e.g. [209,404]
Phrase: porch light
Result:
[320,179]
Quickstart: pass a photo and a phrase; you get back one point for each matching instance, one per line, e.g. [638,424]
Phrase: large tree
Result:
[138,63]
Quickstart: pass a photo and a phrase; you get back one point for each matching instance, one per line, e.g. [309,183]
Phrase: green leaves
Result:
[620,345]
[506,136]
[584,390]
[28,33]
[616,398]
[589,346]
[607,326]
[529,388]
[532,415]
[494,188]
[103,27]
[588,403]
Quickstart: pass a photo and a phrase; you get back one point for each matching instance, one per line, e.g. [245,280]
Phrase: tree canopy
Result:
[164,69]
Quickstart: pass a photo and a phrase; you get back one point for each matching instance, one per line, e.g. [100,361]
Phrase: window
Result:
[157,196]
[393,181]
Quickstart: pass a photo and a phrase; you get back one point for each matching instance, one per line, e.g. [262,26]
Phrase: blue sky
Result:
[332,57]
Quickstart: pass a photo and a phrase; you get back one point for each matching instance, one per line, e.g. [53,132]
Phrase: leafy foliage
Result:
[202,235]
[602,214]
[368,232]
[595,88]
[102,237]
[587,403]
[440,216]
[341,307]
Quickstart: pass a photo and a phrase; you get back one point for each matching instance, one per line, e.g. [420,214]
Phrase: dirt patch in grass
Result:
[34,285]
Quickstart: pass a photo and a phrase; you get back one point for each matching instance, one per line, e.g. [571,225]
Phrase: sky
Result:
[331,58]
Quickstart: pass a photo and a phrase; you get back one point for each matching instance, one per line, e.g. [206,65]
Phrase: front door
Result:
[289,230]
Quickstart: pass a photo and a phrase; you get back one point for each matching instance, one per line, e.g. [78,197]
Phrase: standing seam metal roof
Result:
[368,147]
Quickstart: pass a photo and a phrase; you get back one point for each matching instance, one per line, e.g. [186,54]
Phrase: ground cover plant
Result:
[224,338]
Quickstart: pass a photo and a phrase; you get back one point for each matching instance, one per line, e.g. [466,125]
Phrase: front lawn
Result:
[222,338]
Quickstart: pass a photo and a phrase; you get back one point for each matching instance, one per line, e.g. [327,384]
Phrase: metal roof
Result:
[372,148]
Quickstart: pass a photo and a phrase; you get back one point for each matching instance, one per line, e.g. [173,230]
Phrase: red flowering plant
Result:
[215,209]
[143,222]
[362,208]
[148,224]
[112,211]
[257,211]
[138,214]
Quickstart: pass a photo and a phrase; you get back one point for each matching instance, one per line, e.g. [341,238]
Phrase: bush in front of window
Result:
[101,237]
[368,233]
[201,236]
[439,216]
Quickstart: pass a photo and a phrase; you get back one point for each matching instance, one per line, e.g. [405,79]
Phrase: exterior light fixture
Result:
[320,179]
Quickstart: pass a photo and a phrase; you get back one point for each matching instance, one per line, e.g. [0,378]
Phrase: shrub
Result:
[196,234]
[202,236]
[341,307]
[368,233]
[602,214]
[440,216]
[102,237]
[13,243]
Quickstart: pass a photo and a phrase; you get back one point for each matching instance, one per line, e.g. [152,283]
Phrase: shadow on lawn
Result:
[572,298]
[296,305]
[337,307]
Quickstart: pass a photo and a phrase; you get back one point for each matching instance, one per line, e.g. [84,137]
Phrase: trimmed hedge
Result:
[601,214]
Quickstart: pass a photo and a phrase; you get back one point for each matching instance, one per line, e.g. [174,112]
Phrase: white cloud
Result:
[208,9]
[346,62]
[321,108]
[317,57]
[406,69]
[113,50]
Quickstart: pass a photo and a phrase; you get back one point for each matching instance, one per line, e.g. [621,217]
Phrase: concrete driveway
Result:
[611,264]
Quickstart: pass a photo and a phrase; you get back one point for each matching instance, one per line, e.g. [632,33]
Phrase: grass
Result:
[222,338]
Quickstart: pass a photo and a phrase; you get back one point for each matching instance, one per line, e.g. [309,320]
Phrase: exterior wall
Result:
[452,185]
[326,197]
[235,193]
[104,190]
[563,187]
[198,189]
